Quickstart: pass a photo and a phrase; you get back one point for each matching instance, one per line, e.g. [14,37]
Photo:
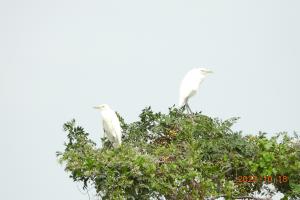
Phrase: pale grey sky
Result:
[59,58]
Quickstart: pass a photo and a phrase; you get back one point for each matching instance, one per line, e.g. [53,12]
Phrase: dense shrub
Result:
[180,156]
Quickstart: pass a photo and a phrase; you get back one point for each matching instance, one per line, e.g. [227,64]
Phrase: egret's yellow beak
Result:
[96,107]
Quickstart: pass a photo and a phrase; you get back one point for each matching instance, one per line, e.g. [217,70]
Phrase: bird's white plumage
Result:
[190,84]
[111,124]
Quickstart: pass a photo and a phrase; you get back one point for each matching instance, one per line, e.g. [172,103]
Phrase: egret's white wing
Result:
[117,127]
[189,85]
[109,133]
[112,128]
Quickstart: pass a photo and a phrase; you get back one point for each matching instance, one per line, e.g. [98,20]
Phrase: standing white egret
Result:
[190,84]
[111,124]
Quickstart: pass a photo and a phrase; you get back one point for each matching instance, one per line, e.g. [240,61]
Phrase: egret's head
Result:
[101,107]
[204,71]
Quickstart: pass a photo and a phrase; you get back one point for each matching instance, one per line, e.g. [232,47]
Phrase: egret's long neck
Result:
[104,113]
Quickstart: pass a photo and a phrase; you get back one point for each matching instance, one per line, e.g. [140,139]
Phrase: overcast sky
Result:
[59,58]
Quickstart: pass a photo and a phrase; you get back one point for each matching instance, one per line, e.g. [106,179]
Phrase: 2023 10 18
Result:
[266,179]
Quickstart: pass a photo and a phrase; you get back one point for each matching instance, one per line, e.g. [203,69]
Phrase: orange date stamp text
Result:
[266,179]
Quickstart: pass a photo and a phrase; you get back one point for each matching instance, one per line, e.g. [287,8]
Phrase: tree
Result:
[179,156]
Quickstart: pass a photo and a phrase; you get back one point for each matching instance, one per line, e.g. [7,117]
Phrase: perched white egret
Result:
[111,124]
[190,84]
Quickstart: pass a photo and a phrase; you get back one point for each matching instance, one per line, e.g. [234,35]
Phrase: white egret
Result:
[111,124]
[190,84]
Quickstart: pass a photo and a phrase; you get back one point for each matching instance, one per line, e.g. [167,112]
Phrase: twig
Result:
[84,193]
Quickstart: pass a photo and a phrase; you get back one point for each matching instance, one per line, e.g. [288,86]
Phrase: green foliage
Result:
[179,156]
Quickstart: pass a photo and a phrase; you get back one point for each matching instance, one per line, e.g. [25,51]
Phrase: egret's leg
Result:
[188,108]
[190,112]
[185,108]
